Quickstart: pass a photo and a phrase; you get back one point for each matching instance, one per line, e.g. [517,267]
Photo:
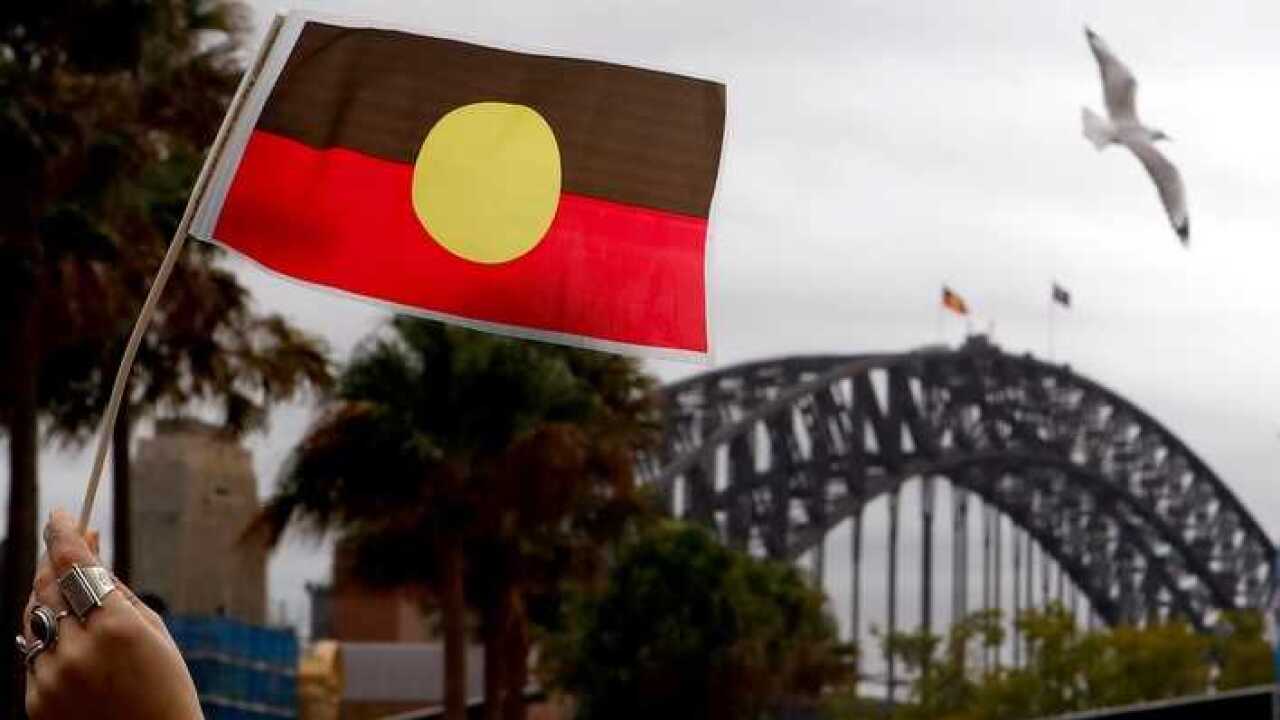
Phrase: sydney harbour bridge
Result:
[1059,488]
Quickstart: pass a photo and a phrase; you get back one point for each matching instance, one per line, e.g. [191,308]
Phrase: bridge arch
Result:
[775,454]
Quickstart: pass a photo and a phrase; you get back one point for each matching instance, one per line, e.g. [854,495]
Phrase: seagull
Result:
[1119,89]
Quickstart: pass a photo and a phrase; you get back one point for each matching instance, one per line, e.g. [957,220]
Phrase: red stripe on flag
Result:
[343,219]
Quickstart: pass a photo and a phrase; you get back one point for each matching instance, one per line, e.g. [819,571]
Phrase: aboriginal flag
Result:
[953,302]
[1060,295]
[541,196]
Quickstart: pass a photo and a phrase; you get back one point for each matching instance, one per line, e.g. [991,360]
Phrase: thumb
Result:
[64,543]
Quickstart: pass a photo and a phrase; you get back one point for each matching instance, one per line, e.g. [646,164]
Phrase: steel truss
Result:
[774,454]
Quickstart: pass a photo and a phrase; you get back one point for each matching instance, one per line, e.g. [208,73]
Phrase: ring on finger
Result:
[29,650]
[43,624]
[84,587]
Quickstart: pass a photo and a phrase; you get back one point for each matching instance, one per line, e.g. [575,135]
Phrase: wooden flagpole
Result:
[167,265]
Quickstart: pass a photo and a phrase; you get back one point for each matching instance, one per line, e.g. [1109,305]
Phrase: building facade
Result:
[193,495]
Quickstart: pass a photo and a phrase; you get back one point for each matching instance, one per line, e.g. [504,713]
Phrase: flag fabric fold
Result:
[545,197]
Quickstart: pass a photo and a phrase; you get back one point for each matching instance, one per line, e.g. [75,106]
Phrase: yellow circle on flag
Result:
[486,182]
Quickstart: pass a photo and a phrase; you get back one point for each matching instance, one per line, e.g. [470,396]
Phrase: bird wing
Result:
[1119,87]
[1169,184]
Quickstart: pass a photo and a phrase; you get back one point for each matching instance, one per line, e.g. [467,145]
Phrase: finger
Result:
[66,548]
[25,626]
[147,614]
[45,594]
[65,545]
[48,595]
[37,693]
[51,597]
[44,571]
[34,706]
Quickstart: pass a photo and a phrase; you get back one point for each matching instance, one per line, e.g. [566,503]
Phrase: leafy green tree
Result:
[688,628]
[1071,670]
[455,459]
[1244,656]
[1067,669]
[951,683]
[1050,680]
[1150,663]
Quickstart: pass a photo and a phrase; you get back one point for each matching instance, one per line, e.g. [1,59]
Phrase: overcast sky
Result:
[876,150]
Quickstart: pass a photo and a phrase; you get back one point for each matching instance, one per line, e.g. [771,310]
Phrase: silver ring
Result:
[84,588]
[29,651]
[43,624]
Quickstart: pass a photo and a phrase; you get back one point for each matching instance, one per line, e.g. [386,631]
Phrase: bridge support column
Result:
[892,677]
[997,578]
[1061,580]
[1044,578]
[1029,596]
[959,554]
[1017,596]
[855,602]
[928,485]
[1074,593]
[987,593]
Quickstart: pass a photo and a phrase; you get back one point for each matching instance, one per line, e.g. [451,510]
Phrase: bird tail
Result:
[1096,129]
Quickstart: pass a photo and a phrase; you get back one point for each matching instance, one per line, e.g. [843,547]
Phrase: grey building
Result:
[193,495]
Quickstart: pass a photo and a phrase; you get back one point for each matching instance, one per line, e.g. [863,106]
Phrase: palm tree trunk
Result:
[494,660]
[453,607]
[121,510]
[20,546]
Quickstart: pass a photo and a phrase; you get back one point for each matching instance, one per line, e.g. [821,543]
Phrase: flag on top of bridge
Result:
[1061,296]
[953,302]
[539,196]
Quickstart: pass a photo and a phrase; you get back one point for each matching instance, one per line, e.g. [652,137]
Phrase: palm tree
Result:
[58,85]
[452,454]
[104,112]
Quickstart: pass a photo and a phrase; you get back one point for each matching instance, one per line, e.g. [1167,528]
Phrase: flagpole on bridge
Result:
[166,269]
[1052,302]
[941,327]
[1058,295]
